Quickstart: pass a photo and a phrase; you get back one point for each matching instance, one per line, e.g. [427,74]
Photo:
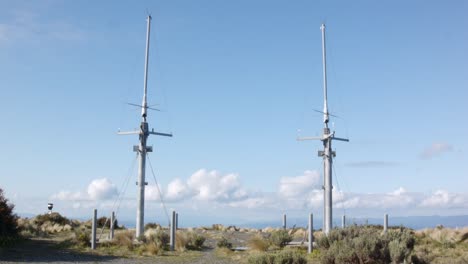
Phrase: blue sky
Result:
[236,81]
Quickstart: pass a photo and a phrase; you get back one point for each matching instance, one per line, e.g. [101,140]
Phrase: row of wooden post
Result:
[174,225]
[310,229]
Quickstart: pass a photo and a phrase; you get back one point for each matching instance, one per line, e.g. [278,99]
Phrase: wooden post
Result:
[385,223]
[284,221]
[311,234]
[112,226]
[172,231]
[93,230]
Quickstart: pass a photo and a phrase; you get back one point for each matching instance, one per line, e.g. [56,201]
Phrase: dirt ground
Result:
[49,250]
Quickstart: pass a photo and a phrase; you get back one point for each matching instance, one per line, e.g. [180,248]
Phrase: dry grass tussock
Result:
[442,245]
[124,239]
[258,243]
[43,225]
[188,240]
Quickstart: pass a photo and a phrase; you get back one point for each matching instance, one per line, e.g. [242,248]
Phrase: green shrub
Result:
[258,243]
[152,226]
[366,244]
[8,220]
[281,257]
[195,241]
[101,221]
[159,237]
[224,243]
[280,238]
[82,238]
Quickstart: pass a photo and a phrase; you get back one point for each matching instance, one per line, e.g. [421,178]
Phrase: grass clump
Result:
[52,218]
[280,238]
[224,243]
[155,243]
[280,257]
[258,243]
[152,226]
[124,239]
[196,241]
[82,238]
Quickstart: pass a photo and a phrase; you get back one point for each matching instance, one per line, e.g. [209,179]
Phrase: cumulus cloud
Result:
[98,189]
[442,198]
[101,189]
[178,190]
[212,186]
[436,149]
[212,189]
[292,187]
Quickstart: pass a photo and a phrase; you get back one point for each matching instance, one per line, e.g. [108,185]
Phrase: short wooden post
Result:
[93,230]
[385,223]
[311,234]
[172,231]
[112,226]
[284,221]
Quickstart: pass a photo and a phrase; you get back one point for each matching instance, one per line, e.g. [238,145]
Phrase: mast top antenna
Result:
[324,63]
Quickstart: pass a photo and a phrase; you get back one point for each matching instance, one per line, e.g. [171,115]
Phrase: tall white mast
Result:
[142,148]
[327,152]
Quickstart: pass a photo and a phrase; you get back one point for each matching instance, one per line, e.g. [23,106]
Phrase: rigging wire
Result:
[120,196]
[159,191]
[339,189]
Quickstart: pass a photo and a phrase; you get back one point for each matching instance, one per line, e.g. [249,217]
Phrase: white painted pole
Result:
[172,231]
[343,221]
[311,234]
[385,223]
[112,226]
[284,221]
[93,230]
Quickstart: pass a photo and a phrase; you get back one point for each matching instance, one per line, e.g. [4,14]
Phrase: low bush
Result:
[124,239]
[82,238]
[224,243]
[105,221]
[195,241]
[53,218]
[280,257]
[366,244]
[189,240]
[258,243]
[152,226]
[280,238]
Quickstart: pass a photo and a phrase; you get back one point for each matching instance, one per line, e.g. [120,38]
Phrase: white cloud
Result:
[101,189]
[152,193]
[212,189]
[178,190]
[98,189]
[436,149]
[212,186]
[442,198]
[292,187]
